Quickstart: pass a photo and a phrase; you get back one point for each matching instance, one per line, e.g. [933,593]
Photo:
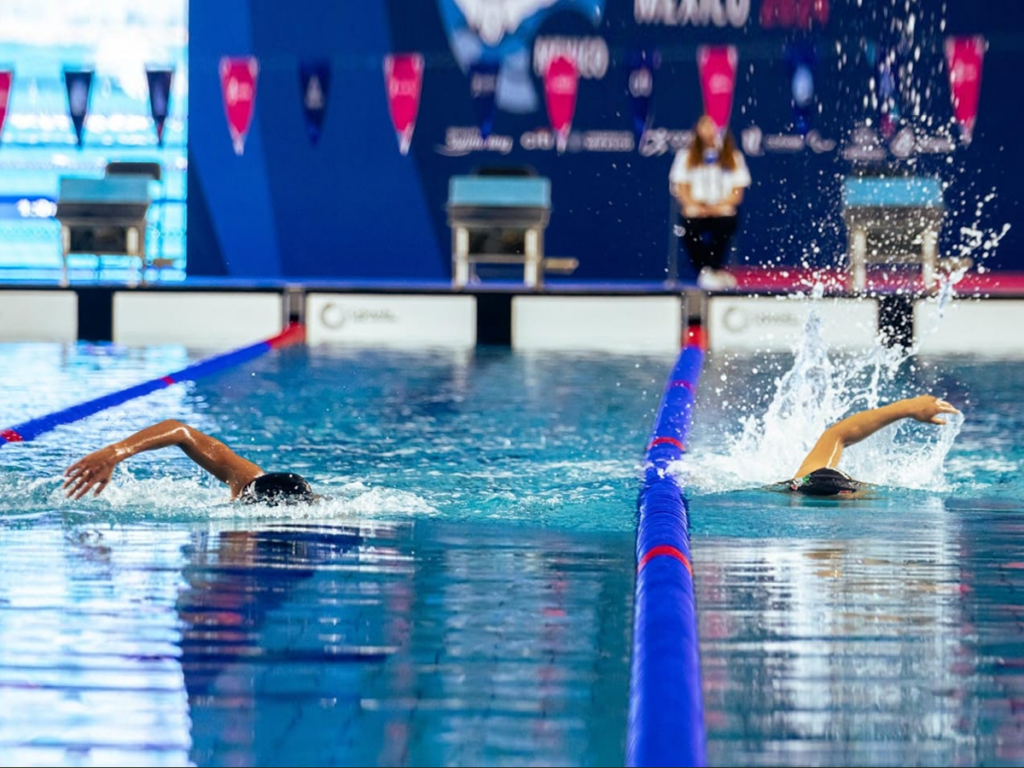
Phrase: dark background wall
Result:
[352,206]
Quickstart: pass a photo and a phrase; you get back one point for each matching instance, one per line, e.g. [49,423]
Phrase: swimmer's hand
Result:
[928,409]
[94,471]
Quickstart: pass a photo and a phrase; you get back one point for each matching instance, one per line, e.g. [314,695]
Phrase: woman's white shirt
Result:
[710,183]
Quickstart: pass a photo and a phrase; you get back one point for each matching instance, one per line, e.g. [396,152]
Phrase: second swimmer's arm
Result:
[829,448]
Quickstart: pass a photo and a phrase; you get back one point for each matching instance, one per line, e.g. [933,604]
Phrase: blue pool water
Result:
[465,596]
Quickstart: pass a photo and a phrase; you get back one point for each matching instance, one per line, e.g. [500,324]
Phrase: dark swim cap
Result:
[825,482]
[276,488]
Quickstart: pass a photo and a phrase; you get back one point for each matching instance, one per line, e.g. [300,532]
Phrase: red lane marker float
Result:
[295,333]
[11,436]
[665,550]
[167,380]
[669,440]
[696,336]
[688,385]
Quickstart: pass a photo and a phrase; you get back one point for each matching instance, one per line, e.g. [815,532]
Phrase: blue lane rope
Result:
[33,428]
[666,709]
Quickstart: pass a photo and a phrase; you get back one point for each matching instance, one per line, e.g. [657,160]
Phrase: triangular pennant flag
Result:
[561,82]
[640,86]
[238,86]
[159,98]
[78,83]
[483,87]
[403,78]
[315,82]
[887,74]
[717,65]
[802,61]
[6,84]
[964,59]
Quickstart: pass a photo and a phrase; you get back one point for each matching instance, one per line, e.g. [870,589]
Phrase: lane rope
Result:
[30,430]
[666,708]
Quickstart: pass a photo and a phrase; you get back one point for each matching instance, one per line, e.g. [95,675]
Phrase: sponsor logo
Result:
[658,141]
[407,88]
[78,95]
[935,145]
[532,140]
[641,83]
[864,145]
[314,94]
[335,316]
[460,141]
[902,144]
[585,141]
[238,92]
[737,320]
[793,14]
[493,19]
[483,84]
[40,208]
[589,53]
[755,143]
[563,85]
[694,13]
[503,31]
[818,144]
[608,141]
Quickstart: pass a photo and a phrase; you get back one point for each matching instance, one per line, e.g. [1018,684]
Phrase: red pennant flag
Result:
[238,87]
[964,58]
[561,83]
[717,66]
[6,82]
[403,78]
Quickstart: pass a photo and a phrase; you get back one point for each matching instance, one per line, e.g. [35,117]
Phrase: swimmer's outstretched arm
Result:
[829,448]
[95,470]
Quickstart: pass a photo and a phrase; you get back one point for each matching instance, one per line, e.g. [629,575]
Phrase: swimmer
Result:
[248,482]
[818,475]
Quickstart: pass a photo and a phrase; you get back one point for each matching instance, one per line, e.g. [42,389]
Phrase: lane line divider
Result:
[666,708]
[30,430]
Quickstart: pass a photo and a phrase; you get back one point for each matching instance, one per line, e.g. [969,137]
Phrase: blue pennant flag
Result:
[640,86]
[802,61]
[483,87]
[159,98]
[78,83]
[315,81]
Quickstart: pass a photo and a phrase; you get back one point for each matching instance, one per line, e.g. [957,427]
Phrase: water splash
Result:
[819,389]
[947,288]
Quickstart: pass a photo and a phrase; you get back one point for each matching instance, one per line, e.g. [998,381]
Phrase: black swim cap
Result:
[825,482]
[276,488]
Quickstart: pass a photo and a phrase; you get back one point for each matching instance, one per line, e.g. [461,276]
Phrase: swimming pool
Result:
[466,595]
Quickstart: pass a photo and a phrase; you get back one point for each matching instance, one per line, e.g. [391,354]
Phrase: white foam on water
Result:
[165,498]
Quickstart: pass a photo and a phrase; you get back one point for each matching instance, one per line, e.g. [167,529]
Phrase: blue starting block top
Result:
[110,189]
[892,192]
[529,192]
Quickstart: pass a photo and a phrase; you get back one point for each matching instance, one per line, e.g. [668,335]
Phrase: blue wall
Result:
[353,207]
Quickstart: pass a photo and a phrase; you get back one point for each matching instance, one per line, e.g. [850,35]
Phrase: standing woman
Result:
[708,179]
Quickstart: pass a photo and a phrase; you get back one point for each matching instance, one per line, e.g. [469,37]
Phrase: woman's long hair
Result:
[726,157]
